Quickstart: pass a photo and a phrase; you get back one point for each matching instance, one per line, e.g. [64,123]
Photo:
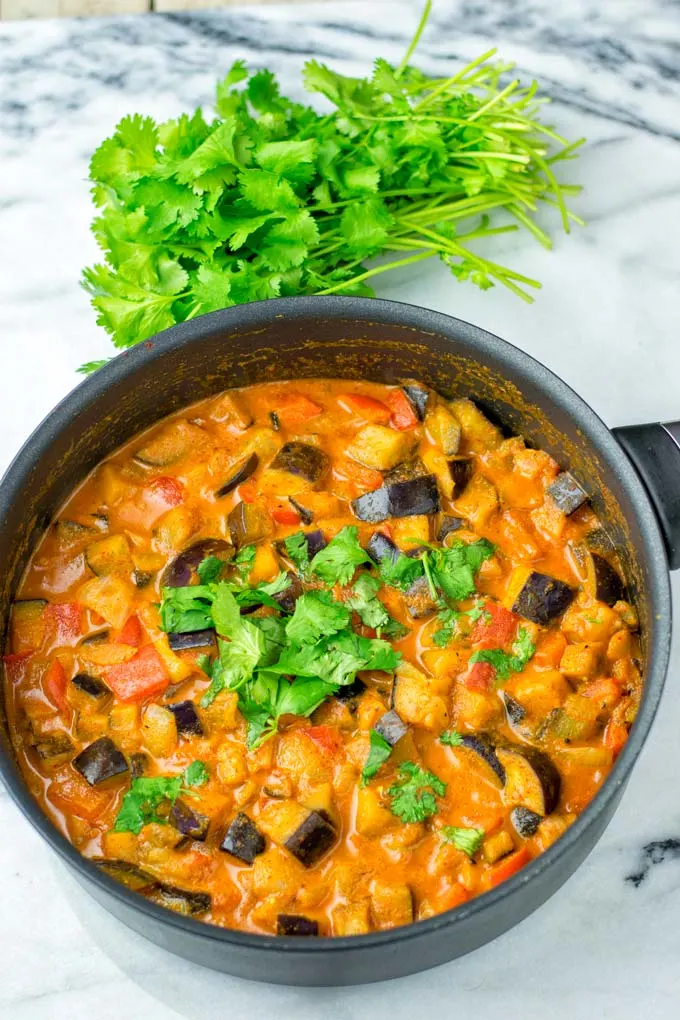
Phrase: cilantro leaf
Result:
[244,559]
[454,568]
[142,801]
[365,602]
[505,664]
[210,569]
[316,615]
[465,839]
[298,551]
[451,738]
[196,774]
[402,572]
[414,797]
[380,750]
[337,562]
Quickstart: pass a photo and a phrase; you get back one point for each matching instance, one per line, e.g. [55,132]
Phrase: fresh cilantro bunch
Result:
[270,198]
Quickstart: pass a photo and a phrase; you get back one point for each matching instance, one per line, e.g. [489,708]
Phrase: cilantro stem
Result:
[416,39]
[374,272]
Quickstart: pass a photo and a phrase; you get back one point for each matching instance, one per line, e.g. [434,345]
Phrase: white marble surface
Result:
[606,320]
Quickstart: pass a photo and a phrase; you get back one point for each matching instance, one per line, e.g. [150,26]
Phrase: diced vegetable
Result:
[391,905]
[567,493]
[478,432]
[404,416]
[303,460]
[444,429]
[243,839]
[416,702]
[296,924]
[350,692]
[183,901]
[603,582]
[380,548]
[373,506]
[54,748]
[100,761]
[379,447]
[159,730]
[188,821]
[480,676]
[295,409]
[482,745]
[448,525]
[419,599]
[419,397]
[402,499]
[497,846]
[306,516]
[579,661]
[27,627]
[54,683]
[228,410]
[391,727]
[540,598]
[187,718]
[192,639]
[531,778]
[287,598]
[312,839]
[525,821]
[182,570]
[139,763]
[478,500]
[143,676]
[110,597]
[494,628]
[364,407]
[508,867]
[372,817]
[110,556]
[242,473]
[249,524]
[175,441]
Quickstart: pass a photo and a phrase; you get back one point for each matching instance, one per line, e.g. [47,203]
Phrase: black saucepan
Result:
[636,492]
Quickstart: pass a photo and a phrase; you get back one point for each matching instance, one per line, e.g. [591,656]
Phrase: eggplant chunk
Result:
[296,924]
[599,541]
[129,874]
[100,761]
[188,821]
[249,523]
[306,516]
[182,571]
[380,548]
[56,745]
[287,598]
[380,447]
[567,494]
[542,598]
[444,429]
[186,717]
[460,469]
[405,472]
[531,778]
[418,599]
[312,839]
[525,821]
[448,524]
[603,581]
[515,714]
[91,685]
[301,459]
[350,693]
[183,901]
[482,745]
[402,499]
[109,556]
[191,639]
[171,444]
[315,542]
[139,762]
[243,839]
[418,397]
[241,474]
[27,626]
[391,727]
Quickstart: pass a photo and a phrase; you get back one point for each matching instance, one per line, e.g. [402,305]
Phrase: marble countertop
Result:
[606,320]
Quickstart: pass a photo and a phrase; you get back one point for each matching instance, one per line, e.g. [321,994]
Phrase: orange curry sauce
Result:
[530,749]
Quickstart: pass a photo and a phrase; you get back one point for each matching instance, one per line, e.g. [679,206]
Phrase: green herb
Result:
[149,795]
[271,198]
[210,569]
[592,619]
[244,559]
[298,550]
[364,601]
[316,615]
[454,568]
[380,750]
[451,738]
[337,562]
[402,572]
[448,619]
[200,606]
[413,797]
[467,840]
[505,664]
[478,612]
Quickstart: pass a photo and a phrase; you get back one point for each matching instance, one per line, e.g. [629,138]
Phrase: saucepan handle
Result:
[655,452]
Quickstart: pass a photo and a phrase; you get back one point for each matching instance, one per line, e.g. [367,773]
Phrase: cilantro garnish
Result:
[452,738]
[365,602]
[337,562]
[380,750]
[504,663]
[269,197]
[149,795]
[414,796]
[298,550]
[467,840]
[210,569]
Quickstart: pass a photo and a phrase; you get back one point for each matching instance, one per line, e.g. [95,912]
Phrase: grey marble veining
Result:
[608,943]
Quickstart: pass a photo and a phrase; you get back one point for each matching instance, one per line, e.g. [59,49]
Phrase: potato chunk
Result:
[372,818]
[391,905]
[159,730]
[380,447]
[416,701]
[351,918]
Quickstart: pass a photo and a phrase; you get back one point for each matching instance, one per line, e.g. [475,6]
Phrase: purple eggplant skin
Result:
[401,499]
[460,469]
[609,587]
[545,771]
[129,874]
[350,693]
[543,598]
[243,839]
[417,397]
[182,571]
[515,712]
[301,459]
[189,822]
[287,598]
[186,717]
[53,746]
[448,525]
[142,578]
[405,472]
[372,506]
[315,542]
[139,762]
[306,516]
[380,547]
[91,685]
[312,839]
[240,475]
[184,901]
[418,599]
[391,727]
[100,761]
[525,821]
[483,746]
[275,420]
[191,639]
[567,494]
[296,924]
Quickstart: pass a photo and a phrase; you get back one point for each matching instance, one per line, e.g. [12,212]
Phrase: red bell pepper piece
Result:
[366,408]
[282,515]
[63,621]
[495,627]
[143,676]
[403,416]
[247,492]
[54,684]
[325,737]
[132,633]
[480,677]
[295,409]
[508,867]
[73,795]
[549,649]
[15,666]
[615,736]
[164,493]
